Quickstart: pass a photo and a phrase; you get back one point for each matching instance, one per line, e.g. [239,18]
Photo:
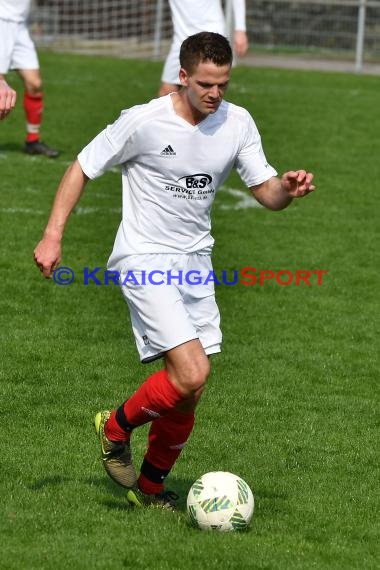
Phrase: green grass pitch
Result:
[292,404]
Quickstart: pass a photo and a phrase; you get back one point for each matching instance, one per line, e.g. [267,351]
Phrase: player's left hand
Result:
[240,43]
[297,183]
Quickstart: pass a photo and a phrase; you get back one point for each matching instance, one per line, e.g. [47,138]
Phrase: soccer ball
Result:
[220,501]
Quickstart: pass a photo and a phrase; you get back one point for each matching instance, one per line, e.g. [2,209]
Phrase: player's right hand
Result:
[47,256]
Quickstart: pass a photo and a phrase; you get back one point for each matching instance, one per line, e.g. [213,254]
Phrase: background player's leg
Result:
[33,107]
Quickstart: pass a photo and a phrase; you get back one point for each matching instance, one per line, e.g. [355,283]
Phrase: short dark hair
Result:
[205,46]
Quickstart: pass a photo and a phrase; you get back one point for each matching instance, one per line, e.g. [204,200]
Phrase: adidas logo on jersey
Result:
[168,151]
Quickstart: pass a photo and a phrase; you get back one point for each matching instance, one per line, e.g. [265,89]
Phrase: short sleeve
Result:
[251,163]
[239,14]
[111,147]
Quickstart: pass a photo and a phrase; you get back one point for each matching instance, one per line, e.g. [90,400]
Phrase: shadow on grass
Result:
[116,494]
[12,147]
[52,481]
[179,486]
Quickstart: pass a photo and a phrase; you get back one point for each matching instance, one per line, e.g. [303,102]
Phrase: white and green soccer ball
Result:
[220,501]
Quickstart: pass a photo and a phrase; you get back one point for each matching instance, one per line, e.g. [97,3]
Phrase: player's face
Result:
[206,86]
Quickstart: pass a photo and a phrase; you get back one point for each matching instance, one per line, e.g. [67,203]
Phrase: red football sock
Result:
[33,107]
[149,487]
[167,437]
[113,430]
[155,397]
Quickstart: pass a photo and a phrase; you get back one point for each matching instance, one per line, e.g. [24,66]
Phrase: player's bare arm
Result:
[7,98]
[240,43]
[47,254]
[277,194]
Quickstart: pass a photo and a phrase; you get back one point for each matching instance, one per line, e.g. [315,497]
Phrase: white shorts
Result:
[17,50]
[170,72]
[167,311]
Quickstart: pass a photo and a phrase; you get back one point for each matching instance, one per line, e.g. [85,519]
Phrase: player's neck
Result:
[184,109]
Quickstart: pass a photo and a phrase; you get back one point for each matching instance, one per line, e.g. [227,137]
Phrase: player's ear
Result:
[183,77]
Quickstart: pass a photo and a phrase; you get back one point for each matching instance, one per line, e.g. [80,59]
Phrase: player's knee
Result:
[33,88]
[192,380]
[198,378]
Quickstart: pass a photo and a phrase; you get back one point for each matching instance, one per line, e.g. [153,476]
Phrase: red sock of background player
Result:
[155,397]
[167,437]
[33,107]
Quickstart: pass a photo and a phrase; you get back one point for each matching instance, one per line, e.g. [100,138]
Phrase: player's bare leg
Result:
[188,368]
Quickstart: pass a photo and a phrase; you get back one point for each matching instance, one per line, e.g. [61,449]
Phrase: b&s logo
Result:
[192,187]
[196,180]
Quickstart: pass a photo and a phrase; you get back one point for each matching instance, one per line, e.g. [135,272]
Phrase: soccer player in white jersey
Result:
[18,52]
[192,16]
[175,152]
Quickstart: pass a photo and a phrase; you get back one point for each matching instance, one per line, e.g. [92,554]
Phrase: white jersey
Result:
[171,171]
[14,10]
[192,16]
